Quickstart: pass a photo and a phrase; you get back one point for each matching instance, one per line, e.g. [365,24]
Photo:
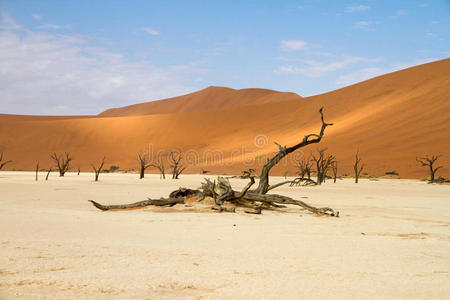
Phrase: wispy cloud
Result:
[8,23]
[36,17]
[49,73]
[366,25]
[314,68]
[54,26]
[293,45]
[150,31]
[367,73]
[354,8]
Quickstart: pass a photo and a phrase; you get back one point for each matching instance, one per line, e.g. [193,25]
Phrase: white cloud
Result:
[54,26]
[8,23]
[366,25]
[36,17]
[150,31]
[401,12]
[47,73]
[293,45]
[313,68]
[372,72]
[353,8]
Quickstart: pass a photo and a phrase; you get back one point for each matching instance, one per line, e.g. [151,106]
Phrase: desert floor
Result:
[391,241]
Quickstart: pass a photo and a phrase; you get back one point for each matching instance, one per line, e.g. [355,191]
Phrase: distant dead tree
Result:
[429,162]
[98,170]
[177,168]
[305,168]
[323,164]
[2,164]
[78,174]
[62,162]
[160,167]
[144,164]
[48,173]
[37,170]
[334,168]
[357,167]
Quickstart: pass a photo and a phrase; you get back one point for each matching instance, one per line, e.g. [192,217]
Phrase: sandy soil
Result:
[392,241]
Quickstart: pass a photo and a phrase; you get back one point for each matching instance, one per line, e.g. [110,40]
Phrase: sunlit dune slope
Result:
[211,98]
[390,119]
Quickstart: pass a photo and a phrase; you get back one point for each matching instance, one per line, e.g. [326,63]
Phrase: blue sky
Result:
[81,57]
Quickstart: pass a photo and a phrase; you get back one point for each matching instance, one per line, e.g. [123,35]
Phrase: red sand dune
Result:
[211,98]
[390,119]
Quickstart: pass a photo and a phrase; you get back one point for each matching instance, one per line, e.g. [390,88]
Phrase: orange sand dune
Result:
[390,119]
[211,98]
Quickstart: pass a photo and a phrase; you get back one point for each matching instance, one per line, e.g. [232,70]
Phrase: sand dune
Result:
[391,119]
[211,98]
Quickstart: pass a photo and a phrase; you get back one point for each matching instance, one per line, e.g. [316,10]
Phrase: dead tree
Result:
[429,162]
[225,199]
[305,168]
[263,186]
[37,170]
[160,167]
[323,164]
[334,168]
[177,168]
[98,170]
[62,162]
[48,173]
[2,164]
[357,167]
[143,162]
[78,174]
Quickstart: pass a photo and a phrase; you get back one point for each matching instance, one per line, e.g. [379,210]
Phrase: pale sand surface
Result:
[392,241]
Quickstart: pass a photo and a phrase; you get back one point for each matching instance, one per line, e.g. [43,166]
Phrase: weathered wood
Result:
[2,164]
[143,163]
[176,166]
[283,151]
[48,173]
[37,170]
[98,170]
[429,162]
[62,162]
[156,202]
[160,167]
[357,167]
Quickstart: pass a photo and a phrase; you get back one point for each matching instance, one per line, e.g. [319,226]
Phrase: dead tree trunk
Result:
[222,193]
[78,174]
[160,167]
[37,170]
[143,162]
[2,164]
[62,162]
[357,167]
[334,167]
[305,168]
[322,165]
[48,173]
[429,162]
[98,170]
[263,185]
[225,199]
[177,168]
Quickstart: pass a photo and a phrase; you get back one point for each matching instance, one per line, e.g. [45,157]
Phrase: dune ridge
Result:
[211,98]
[390,119]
